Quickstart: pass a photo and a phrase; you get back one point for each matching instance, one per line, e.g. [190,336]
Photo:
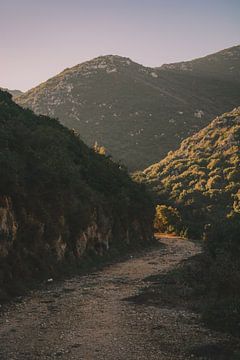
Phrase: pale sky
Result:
[40,38]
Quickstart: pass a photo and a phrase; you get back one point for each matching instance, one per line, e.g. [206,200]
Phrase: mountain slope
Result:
[224,64]
[59,200]
[198,192]
[202,178]
[138,114]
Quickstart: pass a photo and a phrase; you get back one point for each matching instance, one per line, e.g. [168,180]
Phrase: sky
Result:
[40,38]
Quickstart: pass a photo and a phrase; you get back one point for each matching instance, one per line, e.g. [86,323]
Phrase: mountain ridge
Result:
[209,63]
[15,93]
[137,113]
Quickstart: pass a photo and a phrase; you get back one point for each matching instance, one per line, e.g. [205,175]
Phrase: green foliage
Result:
[201,181]
[58,187]
[167,219]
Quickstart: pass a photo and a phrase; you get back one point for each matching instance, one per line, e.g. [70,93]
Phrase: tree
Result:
[167,219]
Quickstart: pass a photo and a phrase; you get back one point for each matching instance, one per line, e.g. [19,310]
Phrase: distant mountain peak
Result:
[117,59]
[137,113]
[14,93]
[107,63]
[224,63]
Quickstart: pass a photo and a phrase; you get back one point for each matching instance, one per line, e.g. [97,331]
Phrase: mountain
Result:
[197,192]
[14,93]
[224,64]
[60,202]
[201,180]
[137,113]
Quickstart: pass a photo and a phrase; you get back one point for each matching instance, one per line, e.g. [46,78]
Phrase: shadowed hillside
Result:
[137,113]
[59,200]
[14,93]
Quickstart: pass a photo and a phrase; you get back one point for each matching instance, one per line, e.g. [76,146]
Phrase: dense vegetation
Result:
[202,178]
[60,200]
[138,113]
[198,192]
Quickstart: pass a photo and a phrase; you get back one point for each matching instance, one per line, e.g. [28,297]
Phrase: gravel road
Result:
[94,317]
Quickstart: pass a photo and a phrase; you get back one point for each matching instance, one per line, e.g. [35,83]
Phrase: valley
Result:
[67,206]
[120,180]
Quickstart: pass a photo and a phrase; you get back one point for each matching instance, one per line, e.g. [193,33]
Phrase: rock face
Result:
[8,226]
[138,113]
[59,200]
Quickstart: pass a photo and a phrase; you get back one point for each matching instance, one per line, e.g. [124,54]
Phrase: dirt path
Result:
[89,317]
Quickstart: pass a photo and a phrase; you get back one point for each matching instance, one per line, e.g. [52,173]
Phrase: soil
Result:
[108,315]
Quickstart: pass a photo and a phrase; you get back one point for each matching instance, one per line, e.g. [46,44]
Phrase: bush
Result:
[167,219]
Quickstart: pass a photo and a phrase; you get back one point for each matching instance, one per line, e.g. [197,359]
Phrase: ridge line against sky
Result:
[40,39]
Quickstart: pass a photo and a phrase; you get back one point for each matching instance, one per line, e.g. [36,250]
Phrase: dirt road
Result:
[93,316]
